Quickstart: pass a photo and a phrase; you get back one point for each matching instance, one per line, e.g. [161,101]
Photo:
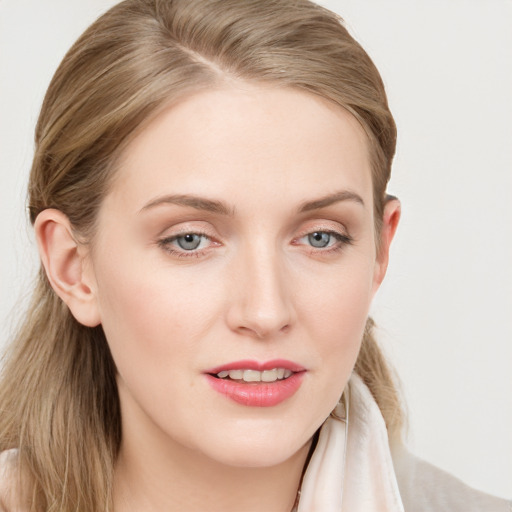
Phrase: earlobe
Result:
[64,261]
[390,219]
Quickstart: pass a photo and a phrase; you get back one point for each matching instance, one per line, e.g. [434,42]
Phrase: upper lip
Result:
[249,364]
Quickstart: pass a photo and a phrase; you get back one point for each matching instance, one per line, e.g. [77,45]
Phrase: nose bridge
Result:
[261,303]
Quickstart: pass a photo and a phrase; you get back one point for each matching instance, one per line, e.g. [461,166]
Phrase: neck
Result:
[153,482]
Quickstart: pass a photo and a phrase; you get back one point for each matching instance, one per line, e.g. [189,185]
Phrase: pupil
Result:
[319,239]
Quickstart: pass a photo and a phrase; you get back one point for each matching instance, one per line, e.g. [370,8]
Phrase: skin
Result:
[255,288]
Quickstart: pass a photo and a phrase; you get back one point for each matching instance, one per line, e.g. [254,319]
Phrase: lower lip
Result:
[257,394]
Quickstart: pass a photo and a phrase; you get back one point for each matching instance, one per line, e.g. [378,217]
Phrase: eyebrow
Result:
[215,206]
[323,202]
[199,203]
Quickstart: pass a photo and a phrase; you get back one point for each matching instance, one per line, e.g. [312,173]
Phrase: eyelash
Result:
[342,240]
[165,243]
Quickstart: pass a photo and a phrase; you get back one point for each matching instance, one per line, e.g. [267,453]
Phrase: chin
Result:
[257,458]
[258,449]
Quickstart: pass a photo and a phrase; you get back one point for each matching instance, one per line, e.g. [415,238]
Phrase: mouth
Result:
[246,375]
[255,384]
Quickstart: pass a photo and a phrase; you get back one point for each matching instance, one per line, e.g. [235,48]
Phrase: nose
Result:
[260,300]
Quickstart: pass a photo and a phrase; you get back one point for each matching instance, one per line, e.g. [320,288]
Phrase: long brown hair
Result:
[58,397]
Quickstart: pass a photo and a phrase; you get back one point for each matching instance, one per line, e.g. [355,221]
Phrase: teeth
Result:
[252,376]
[269,375]
[236,374]
[255,375]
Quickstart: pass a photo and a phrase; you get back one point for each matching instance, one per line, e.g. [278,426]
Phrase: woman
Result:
[209,198]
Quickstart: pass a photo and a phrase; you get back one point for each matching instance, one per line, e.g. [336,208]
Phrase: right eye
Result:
[186,244]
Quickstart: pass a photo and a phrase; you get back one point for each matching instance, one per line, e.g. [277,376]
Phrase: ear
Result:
[65,262]
[390,219]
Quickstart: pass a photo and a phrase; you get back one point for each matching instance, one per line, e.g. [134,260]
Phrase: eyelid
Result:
[343,238]
[324,226]
[172,234]
[193,225]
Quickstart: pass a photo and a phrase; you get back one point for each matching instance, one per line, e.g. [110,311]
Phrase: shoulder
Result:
[10,499]
[425,488]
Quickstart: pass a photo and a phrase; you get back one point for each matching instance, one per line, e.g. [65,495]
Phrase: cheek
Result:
[149,312]
[338,301]
[342,322]
[336,310]
[332,310]
[154,321]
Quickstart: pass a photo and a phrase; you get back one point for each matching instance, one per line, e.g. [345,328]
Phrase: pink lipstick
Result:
[256,384]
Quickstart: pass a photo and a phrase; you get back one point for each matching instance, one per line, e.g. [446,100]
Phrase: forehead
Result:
[243,142]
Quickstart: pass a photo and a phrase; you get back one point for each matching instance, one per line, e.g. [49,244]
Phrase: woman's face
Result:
[237,239]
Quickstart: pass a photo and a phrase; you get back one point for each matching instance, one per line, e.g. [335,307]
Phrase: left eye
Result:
[320,239]
[331,240]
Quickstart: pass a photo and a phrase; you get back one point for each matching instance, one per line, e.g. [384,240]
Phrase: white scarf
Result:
[366,481]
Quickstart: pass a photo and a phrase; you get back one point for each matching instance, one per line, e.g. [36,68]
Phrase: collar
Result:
[366,482]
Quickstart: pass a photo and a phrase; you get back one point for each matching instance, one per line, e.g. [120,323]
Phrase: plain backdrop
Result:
[445,310]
